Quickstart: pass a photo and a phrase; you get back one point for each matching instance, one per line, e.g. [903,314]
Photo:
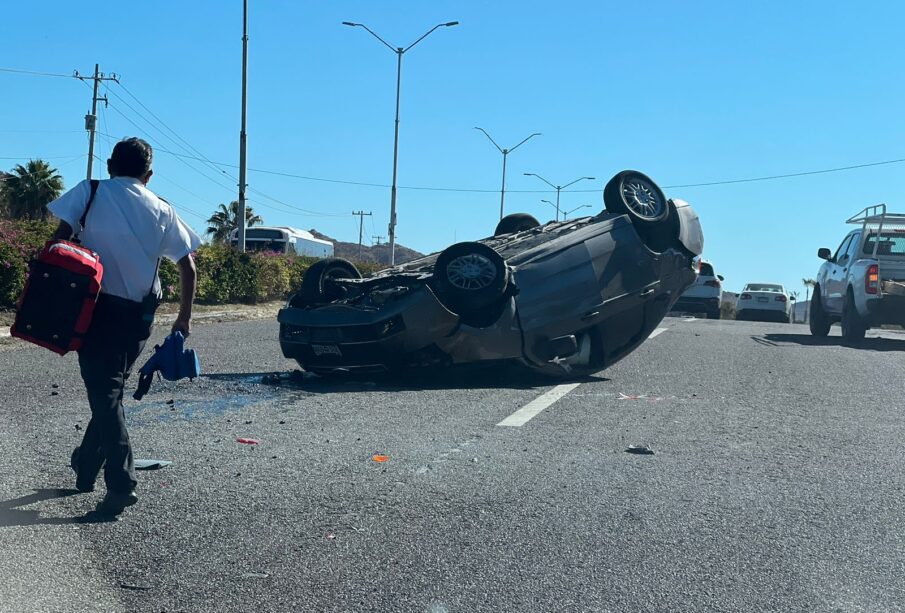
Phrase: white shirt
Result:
[130,228]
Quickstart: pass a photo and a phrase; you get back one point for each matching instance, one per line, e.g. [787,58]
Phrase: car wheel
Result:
[316,287]
[636,195]
[517,222]
[713,314]
[470,278]
[818,321]
[853,327]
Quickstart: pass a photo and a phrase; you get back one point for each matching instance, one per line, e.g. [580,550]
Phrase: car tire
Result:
[818,321]
[517,222]
[713,314]
[853,327]
[316,288]
[470,278]
[636,195]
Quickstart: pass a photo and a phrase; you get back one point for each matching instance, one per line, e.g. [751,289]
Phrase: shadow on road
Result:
[441,379]
[870,343]
[11,515]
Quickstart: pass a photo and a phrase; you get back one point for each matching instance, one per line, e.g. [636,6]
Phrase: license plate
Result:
[763,300]
[326,350]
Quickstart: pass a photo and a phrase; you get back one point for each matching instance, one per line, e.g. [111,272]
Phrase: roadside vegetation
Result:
[224,275]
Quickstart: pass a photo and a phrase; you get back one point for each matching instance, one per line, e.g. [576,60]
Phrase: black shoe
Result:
[82,485]
[114,503]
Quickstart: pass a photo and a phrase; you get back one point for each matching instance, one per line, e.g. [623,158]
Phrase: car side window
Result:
[842,250]
[852,251]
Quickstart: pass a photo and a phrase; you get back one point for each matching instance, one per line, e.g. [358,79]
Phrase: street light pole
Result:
[505,153]
[558,188]
[566,214]
[399,51]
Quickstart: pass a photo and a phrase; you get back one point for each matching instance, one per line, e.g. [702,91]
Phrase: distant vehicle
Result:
[282,239]
[862,285]
[564,298]
[705,295]
[764,302]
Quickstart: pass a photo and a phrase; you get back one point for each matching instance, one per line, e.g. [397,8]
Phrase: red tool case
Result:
[58,301]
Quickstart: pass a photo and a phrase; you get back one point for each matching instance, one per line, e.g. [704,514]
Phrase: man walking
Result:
[130,228]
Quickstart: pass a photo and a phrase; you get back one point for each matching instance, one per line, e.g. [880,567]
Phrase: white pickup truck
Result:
[862,285]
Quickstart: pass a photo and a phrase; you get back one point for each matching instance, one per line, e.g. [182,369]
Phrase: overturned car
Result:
[564,298]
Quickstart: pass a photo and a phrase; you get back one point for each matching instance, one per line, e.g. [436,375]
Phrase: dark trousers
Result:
[114,341]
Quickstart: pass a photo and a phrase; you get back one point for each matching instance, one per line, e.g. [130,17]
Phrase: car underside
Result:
[564,298]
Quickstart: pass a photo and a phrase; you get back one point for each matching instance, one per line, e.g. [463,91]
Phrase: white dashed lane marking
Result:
[527,412]
[657,332]
[524,414]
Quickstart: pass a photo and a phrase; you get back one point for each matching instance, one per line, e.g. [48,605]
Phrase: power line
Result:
[36,73]
[541,191]
[790,175]
[161,121]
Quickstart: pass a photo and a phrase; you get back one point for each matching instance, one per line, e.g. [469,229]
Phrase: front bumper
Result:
[414,331]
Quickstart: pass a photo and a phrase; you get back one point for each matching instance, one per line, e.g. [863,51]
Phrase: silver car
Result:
[563,298]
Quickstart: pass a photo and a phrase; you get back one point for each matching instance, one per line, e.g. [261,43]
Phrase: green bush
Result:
[224,275]
[12,274]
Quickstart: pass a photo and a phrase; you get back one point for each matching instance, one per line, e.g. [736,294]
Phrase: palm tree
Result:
[226,219]
[27,191]
[808,284]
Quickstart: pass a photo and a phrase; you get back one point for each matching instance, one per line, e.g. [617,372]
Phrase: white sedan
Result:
[763,302]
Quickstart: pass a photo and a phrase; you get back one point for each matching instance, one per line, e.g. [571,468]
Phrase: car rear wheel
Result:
[818,321]
[517,222]
[470,278]
[316,284]
[636,195]
[853,327]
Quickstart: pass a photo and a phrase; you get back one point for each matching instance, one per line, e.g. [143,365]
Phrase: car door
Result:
[835,278]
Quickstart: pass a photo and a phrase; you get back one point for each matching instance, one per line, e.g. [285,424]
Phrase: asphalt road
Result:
[776,484]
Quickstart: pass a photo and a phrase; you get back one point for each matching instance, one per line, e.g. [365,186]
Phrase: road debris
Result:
[379,458]
[640,450]
[130,586]
[255,575]
[639,397]
[248,441]
[151,464]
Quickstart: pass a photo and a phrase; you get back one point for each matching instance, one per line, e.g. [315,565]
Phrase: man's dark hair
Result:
[131,157]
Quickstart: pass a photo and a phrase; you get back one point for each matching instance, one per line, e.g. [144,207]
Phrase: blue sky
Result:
[686,92]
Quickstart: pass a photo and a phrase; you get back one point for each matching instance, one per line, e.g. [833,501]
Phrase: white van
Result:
[283,239]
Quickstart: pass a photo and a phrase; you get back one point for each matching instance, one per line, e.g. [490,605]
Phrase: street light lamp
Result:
[558,188]
[399,51]
[567,213]
[505,153]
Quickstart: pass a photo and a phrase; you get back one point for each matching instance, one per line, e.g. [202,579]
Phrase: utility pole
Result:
[242,135]
[378,239]
[361,227]
[91,120]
